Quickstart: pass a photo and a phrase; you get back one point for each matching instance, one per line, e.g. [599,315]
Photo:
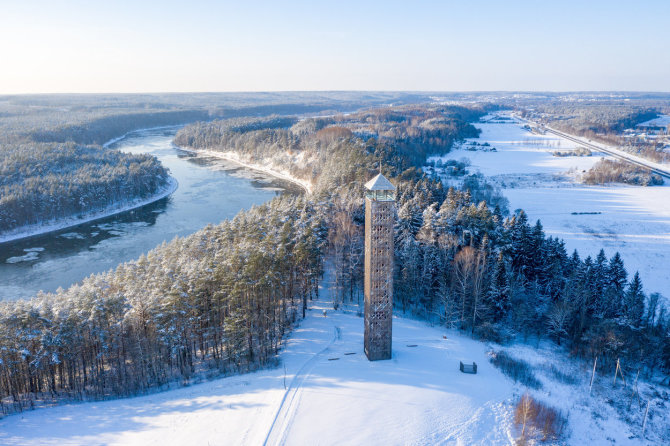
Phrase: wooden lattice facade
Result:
[379,219]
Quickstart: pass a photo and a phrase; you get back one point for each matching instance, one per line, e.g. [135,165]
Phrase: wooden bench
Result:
[469,368]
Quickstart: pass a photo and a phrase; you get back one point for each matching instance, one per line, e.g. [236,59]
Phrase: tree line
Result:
[41,182]
[496,277]
[460,257]
[218,301]
[618,171]
[400,137]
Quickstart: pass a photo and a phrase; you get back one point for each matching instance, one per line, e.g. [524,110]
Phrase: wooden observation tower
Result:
[379,219]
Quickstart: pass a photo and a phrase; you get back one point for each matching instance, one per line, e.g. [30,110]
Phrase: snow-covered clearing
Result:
[633,220]
[418,397]
[663,120]
[326,392]
[606,415]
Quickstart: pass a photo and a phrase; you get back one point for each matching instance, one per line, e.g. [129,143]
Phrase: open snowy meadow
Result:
[326,392]
[633,220]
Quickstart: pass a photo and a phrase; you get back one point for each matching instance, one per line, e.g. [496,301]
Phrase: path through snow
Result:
[418,397]
[331,394]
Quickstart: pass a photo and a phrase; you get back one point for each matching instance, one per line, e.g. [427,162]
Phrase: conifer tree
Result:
[521,245]
[634,301]
[666,354]
[498,296]
[617,281]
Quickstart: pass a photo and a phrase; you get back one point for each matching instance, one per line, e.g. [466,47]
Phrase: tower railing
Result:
[380,195]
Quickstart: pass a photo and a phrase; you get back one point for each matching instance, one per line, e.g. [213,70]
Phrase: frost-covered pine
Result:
[498,297]
[634,301]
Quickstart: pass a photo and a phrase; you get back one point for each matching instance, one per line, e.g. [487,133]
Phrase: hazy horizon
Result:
[176,92]
[485,46]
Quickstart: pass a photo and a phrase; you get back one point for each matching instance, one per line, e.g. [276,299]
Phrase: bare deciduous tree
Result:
[558,319]
[469,282]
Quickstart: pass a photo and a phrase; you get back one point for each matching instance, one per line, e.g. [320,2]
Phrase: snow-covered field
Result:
[663,120]
[331,397]
[326,392]
[633,220]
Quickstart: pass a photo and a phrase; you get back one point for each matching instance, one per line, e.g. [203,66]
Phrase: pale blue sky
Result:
[138,46]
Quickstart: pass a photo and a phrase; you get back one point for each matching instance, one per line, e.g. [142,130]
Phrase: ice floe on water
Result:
[73,236]
[31,254]
[38,249]
[106,226]
[116,228]
[24,258]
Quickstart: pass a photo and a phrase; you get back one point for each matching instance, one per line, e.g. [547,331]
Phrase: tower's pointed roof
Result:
[379,183]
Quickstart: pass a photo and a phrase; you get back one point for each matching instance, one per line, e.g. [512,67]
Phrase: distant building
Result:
[379,219]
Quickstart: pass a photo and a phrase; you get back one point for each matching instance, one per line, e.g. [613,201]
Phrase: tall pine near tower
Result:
[634,302]
[616,286]
[498,297]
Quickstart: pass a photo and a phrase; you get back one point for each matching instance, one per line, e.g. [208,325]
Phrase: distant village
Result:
[655,132]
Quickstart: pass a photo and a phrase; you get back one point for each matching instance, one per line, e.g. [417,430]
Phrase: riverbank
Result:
[125,135]
[210,190]
[270,170]
[117,208]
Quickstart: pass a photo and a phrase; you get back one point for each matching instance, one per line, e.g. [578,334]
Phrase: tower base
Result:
[377,338]
[378,355]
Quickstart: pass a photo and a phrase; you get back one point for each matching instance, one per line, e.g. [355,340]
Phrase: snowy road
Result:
[657,168]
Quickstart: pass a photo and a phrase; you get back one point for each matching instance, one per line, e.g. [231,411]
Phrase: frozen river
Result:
[210,190]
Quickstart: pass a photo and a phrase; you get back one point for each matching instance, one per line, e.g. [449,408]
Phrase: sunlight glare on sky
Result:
[159,46]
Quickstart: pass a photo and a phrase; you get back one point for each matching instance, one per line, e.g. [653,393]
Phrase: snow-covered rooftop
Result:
[379,183]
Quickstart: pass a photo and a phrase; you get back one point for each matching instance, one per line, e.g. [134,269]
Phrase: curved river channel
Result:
[210,190]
